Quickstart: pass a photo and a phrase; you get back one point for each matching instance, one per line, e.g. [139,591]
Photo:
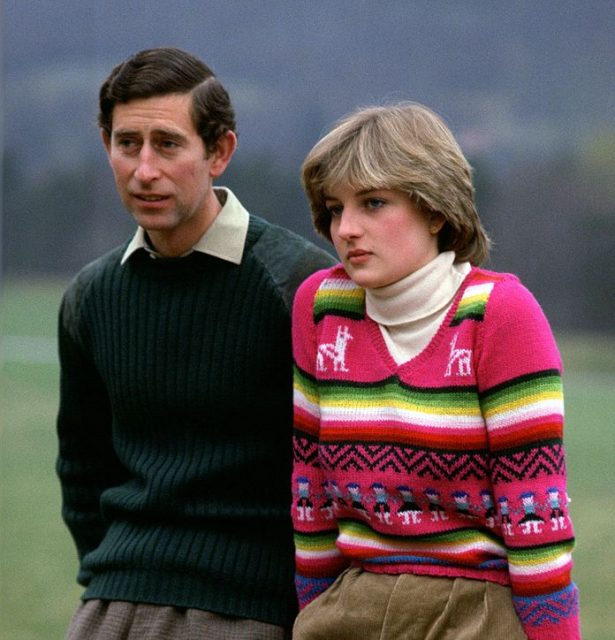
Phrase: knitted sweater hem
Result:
[192,592]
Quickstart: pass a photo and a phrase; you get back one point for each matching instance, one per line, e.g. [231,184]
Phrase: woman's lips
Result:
[357,256]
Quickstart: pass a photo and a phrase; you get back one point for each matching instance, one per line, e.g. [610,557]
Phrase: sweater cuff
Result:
[550,617]
[309,589]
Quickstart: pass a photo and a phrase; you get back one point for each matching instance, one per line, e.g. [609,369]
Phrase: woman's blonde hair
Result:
[405,147]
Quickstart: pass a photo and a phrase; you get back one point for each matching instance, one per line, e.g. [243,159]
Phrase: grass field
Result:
[37,559]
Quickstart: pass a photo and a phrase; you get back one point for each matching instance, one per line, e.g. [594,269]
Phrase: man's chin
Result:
[153,221]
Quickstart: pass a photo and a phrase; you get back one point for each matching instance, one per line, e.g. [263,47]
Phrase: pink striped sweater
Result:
[450,464]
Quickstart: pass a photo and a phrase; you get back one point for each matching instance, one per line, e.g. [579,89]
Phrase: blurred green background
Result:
[38,592]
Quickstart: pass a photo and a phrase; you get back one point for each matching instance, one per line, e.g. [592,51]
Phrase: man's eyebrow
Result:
[169,133]
[161,133]
[124,132]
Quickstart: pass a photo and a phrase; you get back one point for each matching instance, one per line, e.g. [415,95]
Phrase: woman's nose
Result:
[349,225]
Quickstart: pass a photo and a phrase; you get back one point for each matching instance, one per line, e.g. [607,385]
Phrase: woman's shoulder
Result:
[480,275]
[497,288]
[330,291]
[322,278]
[495,296]
[502,287]
[509,309]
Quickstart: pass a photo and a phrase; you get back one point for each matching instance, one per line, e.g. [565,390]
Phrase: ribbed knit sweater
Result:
[449,464]
[175,426]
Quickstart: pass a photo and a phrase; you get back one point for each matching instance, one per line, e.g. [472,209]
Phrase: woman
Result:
[429,478]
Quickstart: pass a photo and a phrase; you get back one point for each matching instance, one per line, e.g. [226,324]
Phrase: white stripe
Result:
[317,555]
[526,412]
[478,290]
[378,415]
[337,284]
[544,567]
[446,549]
[302,402]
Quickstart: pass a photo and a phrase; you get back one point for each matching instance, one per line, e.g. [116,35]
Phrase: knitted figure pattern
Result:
[450,464]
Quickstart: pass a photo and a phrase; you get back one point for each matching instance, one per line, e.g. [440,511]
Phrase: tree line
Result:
[551,220]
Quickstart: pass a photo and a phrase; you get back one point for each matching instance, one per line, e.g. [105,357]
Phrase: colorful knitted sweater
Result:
[450,464]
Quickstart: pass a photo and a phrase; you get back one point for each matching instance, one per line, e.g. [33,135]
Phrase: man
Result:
[175,412]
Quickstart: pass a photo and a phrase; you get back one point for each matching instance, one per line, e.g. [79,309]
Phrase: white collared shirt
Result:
[225,238]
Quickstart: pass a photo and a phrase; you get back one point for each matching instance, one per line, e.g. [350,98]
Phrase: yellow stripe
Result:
[406,406]
[523,401]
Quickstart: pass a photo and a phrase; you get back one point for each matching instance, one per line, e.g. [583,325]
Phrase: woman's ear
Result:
[436,222]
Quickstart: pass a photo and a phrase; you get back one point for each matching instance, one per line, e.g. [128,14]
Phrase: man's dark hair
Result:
[161,71]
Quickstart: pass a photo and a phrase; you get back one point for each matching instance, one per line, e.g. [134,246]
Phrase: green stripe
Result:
[339,302]
[320,540]
[359,529]
[386,392]
[474,310]
[537,555]
[304,382]
[392,392]
[522,389]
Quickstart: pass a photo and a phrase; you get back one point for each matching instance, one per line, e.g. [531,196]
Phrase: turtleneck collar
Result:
[419,295]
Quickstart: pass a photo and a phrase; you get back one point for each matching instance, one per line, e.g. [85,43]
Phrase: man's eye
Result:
[126,144]
[168,144]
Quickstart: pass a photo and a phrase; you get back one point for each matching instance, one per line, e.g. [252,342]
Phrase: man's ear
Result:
[106,138]
[225,148]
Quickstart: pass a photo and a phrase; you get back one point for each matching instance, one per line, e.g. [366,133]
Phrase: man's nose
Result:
[147,168]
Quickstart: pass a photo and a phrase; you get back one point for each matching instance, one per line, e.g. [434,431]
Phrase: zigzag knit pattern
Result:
[543,610]
[451,464]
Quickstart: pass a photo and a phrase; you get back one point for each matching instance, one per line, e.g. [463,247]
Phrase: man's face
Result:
[162,172]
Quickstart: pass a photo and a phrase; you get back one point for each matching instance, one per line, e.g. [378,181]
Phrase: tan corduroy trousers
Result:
[367,606]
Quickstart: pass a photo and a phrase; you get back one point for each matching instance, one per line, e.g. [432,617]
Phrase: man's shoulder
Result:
[93,271]
[288,257]
[269,232]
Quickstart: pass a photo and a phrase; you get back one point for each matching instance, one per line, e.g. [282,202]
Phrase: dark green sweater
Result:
[175,426]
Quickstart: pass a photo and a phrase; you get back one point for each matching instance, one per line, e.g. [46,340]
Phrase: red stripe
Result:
[403,436]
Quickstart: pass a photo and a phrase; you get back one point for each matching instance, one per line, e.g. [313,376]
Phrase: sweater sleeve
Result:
[318,560]
[86,463]
[519,377]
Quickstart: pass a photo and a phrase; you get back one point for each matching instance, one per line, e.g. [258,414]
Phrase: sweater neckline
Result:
[382,349]
[419,295]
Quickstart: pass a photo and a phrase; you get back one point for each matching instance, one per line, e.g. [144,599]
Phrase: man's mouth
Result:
[150,198]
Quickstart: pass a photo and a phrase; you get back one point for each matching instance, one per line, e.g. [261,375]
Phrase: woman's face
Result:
[379,235]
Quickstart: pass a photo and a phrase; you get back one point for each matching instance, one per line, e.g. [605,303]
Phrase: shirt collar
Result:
[225,238]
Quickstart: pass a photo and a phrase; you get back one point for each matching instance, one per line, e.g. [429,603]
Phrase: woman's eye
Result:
[375,203]
[334,210]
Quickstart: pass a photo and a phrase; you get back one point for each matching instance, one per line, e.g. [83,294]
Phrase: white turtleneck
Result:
[410,310]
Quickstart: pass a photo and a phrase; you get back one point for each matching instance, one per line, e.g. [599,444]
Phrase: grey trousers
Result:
[111,620]
[366,606]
